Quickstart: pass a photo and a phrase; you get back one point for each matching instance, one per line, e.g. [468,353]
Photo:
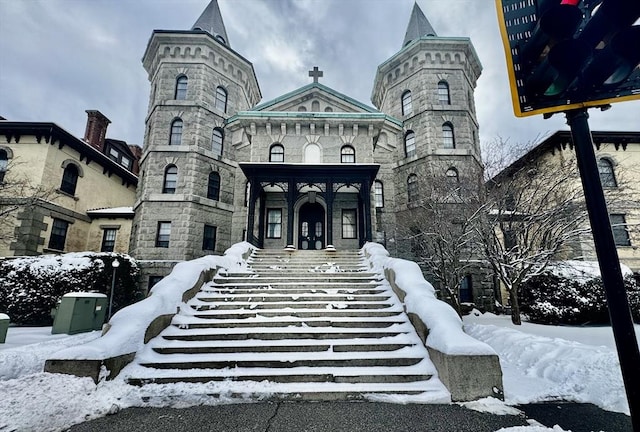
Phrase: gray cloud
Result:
[61,57]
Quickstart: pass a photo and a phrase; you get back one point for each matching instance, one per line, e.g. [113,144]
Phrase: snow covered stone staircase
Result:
[298,325]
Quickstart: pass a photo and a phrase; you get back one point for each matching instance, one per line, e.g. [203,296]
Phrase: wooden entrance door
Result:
[311,227]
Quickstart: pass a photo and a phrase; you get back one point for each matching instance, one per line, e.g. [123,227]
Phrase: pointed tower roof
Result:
[211,22]
[418,26]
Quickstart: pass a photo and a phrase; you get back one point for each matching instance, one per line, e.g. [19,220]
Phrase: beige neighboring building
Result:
[67,194]
[618,155]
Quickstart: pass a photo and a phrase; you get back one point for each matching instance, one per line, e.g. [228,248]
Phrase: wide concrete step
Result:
[302,378]
[289,297]
[238,306]
[291,291]
[306,313]
[278,278]
[271,348]
[189,322]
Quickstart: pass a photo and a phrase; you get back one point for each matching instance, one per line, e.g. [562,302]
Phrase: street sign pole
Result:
[619,311]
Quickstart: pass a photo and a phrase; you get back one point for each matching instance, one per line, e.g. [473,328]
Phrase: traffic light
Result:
[565,54]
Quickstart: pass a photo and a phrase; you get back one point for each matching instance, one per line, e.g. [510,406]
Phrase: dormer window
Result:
[221,39]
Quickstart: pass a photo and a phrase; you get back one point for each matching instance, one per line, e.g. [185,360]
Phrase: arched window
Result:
[378,191]
[221,99]
[347,154]
[410,144]
[176,132]
[213,188]
[452,176]
[412,188]
[443,93]
[170,179]
[448,140]
[315,106]
[276,153]
[216,141]
[221,39]
[4,162]
[69,179]
[607,175]
[407,104]
[312,153]
[181,87]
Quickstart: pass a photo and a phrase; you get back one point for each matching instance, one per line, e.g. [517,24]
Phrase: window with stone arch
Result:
[412,188]
[347,154]
[448,139]
[276,153]
[453,177]
[4,163]
[221,99]
[444,96]
[378,194]
[176,132]
[407,103]
[410,144]
[607,173]
[181,87]
[213,186]
[217,138]
[69,179]
[170,181]
[312,153]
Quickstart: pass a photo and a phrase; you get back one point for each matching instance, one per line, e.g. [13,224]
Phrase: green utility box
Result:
[79,312]
[4,325]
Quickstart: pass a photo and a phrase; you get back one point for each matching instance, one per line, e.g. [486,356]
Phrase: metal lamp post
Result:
[115,264]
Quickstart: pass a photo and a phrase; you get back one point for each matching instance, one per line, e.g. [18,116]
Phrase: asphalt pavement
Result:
[352,417]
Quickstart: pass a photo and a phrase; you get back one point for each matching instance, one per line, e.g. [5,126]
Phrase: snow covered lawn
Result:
[542,363]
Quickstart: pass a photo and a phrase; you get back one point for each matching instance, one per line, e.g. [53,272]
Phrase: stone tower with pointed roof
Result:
[188,169]
[311,169]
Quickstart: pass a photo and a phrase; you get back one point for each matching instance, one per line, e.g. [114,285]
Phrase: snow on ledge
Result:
[445,326]
[128,326]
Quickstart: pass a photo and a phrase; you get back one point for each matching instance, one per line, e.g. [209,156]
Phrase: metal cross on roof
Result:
[315,73]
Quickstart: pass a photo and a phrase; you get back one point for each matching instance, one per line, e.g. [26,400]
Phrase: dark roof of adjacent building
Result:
[54,134]
[562,140]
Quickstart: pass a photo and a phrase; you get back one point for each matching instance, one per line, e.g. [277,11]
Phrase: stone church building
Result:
[311,169]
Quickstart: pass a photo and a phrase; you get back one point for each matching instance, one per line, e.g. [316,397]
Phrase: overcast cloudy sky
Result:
[61,57]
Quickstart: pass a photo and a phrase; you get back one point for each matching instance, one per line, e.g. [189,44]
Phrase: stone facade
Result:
[314,126]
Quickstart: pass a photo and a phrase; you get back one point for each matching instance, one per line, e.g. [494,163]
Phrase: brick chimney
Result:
[96,130]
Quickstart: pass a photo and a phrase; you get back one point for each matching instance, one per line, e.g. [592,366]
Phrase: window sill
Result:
[60,191]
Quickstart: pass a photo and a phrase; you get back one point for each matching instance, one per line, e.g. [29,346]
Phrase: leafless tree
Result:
[535,214]
[439,230]
[18,192]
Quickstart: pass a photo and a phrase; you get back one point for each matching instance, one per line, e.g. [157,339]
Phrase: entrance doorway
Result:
[311,227]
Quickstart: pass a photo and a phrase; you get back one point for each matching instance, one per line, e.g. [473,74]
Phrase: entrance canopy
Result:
[319,180]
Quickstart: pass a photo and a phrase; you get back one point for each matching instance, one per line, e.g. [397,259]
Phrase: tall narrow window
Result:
[176,132]
[247,194]
[181,88]
[170,179]
[274,223]
[221,99]
[209,238]
[410,144]
[607,175]
[443,93]
[216,141]
[349,223]
[4,162]
[213,188]
[619,227]
[58,234]
[347,154]
[163,235]
[108,240]
[448,140]
[407,104]
[378,191]
[69,179]
[276,153]
[412,188]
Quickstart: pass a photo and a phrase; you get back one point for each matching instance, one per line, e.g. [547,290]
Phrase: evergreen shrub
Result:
[551,299]
[31,287]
